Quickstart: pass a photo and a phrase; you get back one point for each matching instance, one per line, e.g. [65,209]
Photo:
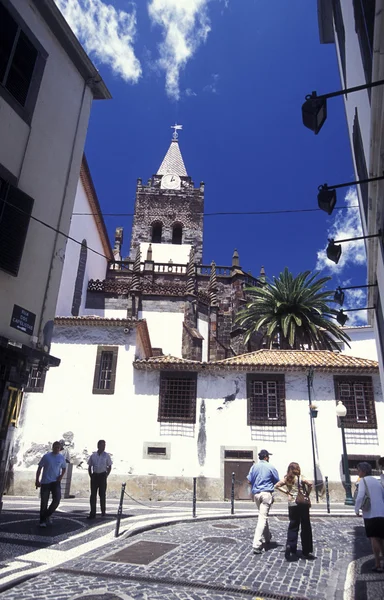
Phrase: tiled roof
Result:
[269,361]
[173,162]
[96,321]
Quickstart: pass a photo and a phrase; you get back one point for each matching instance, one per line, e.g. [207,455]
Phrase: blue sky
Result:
[234,73]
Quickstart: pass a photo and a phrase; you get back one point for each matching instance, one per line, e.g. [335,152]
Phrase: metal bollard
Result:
[233,494]
[194,498]
[120,509]
[327,495]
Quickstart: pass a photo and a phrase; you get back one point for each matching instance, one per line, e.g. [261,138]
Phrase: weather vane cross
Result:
[175,135]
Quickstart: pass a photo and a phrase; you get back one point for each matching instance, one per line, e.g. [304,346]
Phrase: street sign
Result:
[23,319]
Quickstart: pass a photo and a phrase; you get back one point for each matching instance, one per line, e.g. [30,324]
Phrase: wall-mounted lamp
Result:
[339,293]
[314,109]
[342,318]
[334,248]
[326,198]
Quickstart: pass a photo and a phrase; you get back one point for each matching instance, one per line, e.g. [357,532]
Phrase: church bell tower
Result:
[169,212]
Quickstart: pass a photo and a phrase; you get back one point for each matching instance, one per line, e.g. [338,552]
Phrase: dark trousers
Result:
[98,483]
[53,488]
[299,517]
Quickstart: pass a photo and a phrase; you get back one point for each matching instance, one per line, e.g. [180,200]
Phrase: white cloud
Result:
[212,87]
[106,33]
[346,225]
[185,25]
[355,299]
[189,92]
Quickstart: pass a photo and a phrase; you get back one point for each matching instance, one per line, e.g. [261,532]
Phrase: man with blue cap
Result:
[262,477]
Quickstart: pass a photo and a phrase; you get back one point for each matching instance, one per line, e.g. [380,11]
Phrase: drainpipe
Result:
[309,384]
[86,83]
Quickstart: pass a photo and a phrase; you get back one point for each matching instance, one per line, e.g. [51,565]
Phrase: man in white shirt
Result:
[99,467]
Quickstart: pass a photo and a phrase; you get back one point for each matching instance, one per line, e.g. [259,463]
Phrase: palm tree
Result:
[293,311]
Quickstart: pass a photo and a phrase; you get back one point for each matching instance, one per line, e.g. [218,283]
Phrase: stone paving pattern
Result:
[224,559]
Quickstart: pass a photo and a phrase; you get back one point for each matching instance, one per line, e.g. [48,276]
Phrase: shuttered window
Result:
[21,61]
[78,291]
[36,381]
[357,395]
[15,211]
[361,165]
[340,31]
[364,11]
[266,400]
[105,370]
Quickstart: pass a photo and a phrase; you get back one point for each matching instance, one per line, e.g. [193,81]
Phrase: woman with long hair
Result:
[297,490]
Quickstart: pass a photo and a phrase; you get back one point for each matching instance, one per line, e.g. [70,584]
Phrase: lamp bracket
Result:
[357,88]
[325,186]
[362,237]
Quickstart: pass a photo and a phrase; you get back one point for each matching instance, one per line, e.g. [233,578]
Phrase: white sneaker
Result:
[42,525]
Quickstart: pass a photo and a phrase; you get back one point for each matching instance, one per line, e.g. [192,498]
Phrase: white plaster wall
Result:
[82,227]
[203,329]
[39,155]
[165,330]
[162,253]
[362,344]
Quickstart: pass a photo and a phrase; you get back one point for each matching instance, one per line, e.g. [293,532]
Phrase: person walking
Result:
[373,510]
[297,489]
[262,477]
[99,467]
[53,466]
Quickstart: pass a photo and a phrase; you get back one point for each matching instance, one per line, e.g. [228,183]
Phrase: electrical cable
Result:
[220,214]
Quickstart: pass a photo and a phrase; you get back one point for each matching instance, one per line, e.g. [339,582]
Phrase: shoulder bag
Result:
[302,494]
[366,504]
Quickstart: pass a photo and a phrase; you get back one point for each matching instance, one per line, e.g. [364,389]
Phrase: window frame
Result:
[162,417]
[340,32]
[96,378]
[36,389]
[279,381]
[79,281]
[361,163]
[25,112]
[352,422]
[365,40]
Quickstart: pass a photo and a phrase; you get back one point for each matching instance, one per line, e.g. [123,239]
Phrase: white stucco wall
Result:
[165,330]
[45,156]
[362,344]
[82,228]
[163,253]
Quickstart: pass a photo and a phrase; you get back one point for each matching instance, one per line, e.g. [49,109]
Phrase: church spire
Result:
[173,163]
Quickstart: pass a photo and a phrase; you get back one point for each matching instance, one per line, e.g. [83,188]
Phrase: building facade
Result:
[47,85]
[357,29]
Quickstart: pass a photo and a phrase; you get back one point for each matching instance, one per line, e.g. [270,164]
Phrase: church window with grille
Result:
[105,370]
[177,398]
[266,400]
[177,233]
[356,393]
[36,381]
[157,231]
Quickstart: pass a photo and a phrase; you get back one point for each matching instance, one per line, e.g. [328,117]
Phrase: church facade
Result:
[153,362]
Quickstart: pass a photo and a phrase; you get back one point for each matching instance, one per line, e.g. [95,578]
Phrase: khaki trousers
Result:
[263,501]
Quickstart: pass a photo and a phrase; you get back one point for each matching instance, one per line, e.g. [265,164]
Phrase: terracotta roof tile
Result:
[95,321]
[269,360]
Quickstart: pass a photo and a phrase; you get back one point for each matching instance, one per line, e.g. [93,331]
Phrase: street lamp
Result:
[334,248]
[314,109]
[339,293]
[341,412]
[341,318]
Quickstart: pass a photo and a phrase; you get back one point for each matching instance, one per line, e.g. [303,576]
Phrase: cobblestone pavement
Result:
[212,560]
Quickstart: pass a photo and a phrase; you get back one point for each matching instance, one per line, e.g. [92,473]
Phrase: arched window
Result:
[78,291]
[177,233]
[157,230]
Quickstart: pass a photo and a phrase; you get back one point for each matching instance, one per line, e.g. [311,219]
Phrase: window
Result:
[21,61]
[157,230]
[364,25]
[105,370]
[380,322]
[356,393]
[177,399]
[355,459]
[15,211]
[361,165]
[36,381]
[266,400]
[238,454]
[340,31]
[78,291]
[177,234]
